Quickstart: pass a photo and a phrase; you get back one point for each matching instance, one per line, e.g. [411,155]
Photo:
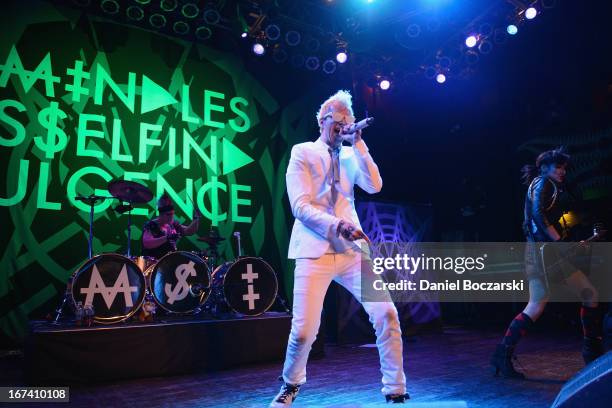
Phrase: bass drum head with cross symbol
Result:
[112,284]
[248,285]
[179,282]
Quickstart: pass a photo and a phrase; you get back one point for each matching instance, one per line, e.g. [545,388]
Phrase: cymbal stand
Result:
[90,200]
[237,235]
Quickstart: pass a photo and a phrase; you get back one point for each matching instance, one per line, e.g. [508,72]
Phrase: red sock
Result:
[517,329]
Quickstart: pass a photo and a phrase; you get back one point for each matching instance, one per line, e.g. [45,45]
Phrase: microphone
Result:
[362,124]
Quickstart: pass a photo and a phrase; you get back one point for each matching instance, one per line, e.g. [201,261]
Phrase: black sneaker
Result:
[397,398]
[287,394]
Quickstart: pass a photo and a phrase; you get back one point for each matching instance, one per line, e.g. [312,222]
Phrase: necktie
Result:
[335,166]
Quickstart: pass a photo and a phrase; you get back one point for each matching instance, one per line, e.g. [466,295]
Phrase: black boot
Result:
[592,349]
[397,398]
[502,361]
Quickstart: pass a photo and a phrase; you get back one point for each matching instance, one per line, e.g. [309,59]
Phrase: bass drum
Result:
[179,282]
[112,284]
[247,286]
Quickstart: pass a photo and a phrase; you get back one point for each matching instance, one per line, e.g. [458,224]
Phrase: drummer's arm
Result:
[193,227]
[150,242]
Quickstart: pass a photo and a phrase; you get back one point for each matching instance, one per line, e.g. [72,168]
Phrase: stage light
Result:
[212,16]
[293,38]
[168,5]
[329,67]
[157,20]
[259,49]
[180,27]
[413,30]
[512,29]
[471,41]
[341,57]
[441,78]
[312,63]
[135,13]
[244,35]
[273,32]
[109,6]
[190,10]
[569,219]
[384,84]
[203,33]
[485,47]
[530,13]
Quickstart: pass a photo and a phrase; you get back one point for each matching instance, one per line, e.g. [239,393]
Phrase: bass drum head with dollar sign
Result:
[249,285]
[179,282]
[112,284]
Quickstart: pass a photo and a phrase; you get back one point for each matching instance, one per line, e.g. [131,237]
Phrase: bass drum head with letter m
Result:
[112,284]
[249,285]
[179,282]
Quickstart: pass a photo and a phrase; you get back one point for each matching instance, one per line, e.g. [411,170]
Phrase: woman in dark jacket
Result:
[543,212]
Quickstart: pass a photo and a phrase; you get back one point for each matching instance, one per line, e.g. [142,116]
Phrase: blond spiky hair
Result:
[341,97]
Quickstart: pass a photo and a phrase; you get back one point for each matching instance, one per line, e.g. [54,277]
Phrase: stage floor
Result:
[449,367]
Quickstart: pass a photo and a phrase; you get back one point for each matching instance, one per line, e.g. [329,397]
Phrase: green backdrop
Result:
[84,101]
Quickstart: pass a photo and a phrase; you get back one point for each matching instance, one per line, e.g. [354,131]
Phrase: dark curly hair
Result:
[164,203]
[556,156]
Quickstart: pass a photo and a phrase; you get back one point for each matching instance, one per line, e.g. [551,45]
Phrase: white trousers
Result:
[312,278]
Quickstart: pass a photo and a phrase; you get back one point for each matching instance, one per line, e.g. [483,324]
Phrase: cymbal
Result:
[92,199]
[211,240]
[130,191]
[123,208]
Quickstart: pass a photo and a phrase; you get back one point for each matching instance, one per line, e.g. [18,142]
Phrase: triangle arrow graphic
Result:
[233,157]
[154,96]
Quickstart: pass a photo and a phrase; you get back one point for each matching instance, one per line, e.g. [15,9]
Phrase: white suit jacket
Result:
[310,195]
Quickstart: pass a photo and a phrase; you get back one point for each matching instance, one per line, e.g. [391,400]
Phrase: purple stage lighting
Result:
[384,84]
[441,78]
[259,49]
[341,57]
[530,13]
[471,41]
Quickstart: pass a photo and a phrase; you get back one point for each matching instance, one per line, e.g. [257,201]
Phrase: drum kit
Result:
[117,286]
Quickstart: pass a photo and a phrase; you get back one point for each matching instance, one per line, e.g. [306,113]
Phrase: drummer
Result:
[161,234]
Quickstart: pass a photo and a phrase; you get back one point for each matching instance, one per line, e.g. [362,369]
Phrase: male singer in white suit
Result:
[325,244]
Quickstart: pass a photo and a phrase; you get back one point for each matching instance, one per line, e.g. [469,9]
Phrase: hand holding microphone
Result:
[354,127]
[352,132]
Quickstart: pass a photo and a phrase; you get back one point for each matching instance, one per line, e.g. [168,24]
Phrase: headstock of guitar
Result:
[599,231]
